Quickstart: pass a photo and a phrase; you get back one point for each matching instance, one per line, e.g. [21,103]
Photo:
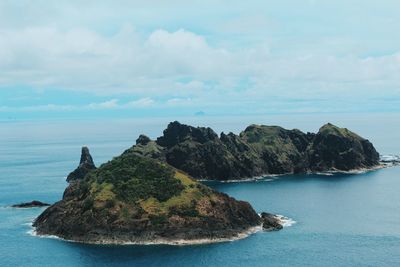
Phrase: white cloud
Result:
[143,102]
[179,102]
[84,60]
[45,108]
[181,65]
[110,104]
[80,59]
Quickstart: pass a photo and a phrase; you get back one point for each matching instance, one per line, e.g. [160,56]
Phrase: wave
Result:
[32,232]
[390,158]
[286,222]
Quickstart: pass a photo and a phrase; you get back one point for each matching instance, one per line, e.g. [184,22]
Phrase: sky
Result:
[76,59]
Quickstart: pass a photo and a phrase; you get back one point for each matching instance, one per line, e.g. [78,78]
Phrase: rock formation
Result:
[86,164]
[147,195]
[138,199]
[258,150]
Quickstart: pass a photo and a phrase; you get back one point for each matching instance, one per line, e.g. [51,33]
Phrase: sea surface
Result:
[341,220]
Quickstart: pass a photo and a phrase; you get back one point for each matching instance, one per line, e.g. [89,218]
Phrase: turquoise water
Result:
[341,220]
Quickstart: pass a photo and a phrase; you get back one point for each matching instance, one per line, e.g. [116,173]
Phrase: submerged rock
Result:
[86,164]
[258,150]
[137,199]
[32,204]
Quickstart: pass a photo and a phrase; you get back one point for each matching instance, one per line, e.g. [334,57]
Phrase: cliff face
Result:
[138,199]
[258,150]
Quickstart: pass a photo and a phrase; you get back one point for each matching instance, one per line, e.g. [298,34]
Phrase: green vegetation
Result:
[150,148]
[131,183]
[131,178]
[182,204]
[272,139]
[334,130]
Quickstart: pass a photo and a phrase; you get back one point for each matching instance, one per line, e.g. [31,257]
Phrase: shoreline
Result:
[285,222]
[159,241]
[381,165]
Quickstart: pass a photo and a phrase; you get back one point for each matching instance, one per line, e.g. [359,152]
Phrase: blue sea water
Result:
[341,220]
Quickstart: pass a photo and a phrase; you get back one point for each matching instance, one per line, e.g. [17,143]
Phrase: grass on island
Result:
[334,130]
[135,185]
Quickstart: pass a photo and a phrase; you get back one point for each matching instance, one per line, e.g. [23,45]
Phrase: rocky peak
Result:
[330,129]
[142,140]
[177,133]
[340,148]
[86,164]
[86,158]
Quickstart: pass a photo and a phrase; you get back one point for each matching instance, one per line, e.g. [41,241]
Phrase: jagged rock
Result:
[259,150]
[143,140]
[86,164]
[177,133]
[270,222]
[32,204]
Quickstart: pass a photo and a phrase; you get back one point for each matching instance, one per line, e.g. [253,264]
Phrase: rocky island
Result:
[147,194]
[258,150]
[140,200]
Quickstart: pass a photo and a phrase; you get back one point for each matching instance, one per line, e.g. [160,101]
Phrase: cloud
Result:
[238,56]
[179,102]
[113,103]
[81,59]
[38,108]
[141,103]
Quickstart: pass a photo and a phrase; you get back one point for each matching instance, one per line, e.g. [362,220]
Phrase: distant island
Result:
[258,151]
[147,195]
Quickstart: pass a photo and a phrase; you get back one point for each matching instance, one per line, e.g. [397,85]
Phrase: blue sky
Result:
[128,58]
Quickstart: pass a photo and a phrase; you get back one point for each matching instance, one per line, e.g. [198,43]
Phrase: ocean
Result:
[340,220]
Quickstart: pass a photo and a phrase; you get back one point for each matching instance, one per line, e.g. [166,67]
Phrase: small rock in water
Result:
[32,204]
[270,222]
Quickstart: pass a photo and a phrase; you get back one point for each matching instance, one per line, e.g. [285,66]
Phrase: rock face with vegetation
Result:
[258,150]
[340,149]
[134,198]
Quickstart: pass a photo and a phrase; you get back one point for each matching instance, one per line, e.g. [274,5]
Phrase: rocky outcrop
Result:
[86,164]
[271,222]
[336,148]
[32,204]
[134,198]
[258,150]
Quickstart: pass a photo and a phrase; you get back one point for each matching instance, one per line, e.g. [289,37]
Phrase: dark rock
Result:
[142,140]
[259,150]
[336,148]
[86,164]
[32,204]
[177,133]
[270,222]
